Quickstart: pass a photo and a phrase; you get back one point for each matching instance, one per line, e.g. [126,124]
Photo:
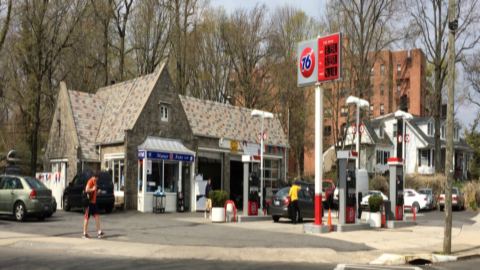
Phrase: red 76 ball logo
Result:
[307,62]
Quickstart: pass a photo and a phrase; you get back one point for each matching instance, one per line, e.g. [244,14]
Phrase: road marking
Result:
[353,267]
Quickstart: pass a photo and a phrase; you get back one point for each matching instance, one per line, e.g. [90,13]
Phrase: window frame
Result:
[430,128]
[382,90]
[382,109]
[164,113]
[382,70]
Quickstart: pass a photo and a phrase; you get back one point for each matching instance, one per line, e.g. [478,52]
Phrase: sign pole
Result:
[357,147]
[318,153]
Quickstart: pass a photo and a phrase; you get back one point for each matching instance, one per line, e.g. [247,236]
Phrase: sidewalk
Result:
[412,240]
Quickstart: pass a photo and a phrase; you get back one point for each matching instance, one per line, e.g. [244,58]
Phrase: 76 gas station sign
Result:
[319,60]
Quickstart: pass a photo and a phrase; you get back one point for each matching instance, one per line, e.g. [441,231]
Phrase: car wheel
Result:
[66,206]
[48,215]
[20,211]
[41,218]
[416,207]
[109,209]
[275,218]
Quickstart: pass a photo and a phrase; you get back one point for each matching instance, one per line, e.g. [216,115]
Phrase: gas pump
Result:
[253,190]
[347,186]
[396,188]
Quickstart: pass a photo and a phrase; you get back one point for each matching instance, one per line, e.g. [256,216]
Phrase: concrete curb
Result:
[394,259]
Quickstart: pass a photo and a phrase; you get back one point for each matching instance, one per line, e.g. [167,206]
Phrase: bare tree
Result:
[471,65]
[246,35]
[427,27]
[289,26]
[151,28]
[6,22]
[103,13]
[121,11]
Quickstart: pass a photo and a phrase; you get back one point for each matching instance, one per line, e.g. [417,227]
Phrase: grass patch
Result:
[458,185]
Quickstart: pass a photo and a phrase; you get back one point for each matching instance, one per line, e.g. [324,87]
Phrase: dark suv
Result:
[72,196]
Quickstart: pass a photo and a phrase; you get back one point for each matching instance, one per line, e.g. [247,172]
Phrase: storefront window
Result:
[271,175]
[162,176]
[154,176]
[117,171]
[171,174]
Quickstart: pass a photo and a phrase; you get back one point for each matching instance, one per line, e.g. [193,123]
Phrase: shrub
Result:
[435,182]
[218,197]
[472,195]
[374,203]
[379,183]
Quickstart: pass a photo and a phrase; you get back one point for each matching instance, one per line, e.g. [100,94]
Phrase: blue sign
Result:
[170,156]
[141,154]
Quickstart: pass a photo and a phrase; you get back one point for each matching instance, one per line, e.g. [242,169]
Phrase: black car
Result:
[72,196]
[279,204]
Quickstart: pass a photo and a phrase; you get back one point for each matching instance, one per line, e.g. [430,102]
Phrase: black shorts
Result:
[92,210]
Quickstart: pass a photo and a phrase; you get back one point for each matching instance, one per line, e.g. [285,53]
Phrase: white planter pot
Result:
[218,214]
[375,219]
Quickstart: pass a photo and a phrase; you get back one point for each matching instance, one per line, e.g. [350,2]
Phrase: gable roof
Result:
[124,102]
[371,125]
[212,119]
[87,112]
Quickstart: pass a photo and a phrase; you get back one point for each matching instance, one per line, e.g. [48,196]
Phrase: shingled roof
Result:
[217,120]
[87,112]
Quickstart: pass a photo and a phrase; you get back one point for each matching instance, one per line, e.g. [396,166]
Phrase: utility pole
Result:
[452,25]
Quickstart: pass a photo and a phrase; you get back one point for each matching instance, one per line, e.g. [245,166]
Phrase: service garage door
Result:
[210,165]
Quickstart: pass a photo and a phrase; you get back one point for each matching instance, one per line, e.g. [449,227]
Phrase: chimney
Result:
[444,111]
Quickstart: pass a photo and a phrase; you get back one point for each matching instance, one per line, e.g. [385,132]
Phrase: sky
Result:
[314,8]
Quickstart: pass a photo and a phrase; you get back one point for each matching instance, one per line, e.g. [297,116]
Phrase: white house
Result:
[379,141]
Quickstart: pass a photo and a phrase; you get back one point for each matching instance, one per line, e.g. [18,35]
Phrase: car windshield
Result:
[283,191]
[425,191]
[35,183]
[454,191]
[374,193]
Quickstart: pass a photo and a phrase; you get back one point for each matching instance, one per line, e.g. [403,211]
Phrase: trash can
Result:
[180,202]
[159,201]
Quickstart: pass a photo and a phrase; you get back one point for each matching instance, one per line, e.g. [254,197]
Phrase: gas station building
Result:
[142,129]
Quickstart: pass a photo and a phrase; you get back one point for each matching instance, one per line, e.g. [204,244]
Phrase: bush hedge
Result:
[379,183]
[218,197]
[374,203]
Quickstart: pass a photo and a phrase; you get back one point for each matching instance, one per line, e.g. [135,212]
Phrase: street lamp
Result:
[263,115]
[361,103]
[404,116]
[286,148]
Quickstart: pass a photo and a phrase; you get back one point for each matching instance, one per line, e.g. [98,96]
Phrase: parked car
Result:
[364,203]
[280,202]
[458,200]
[54,208]
[431,198]
[72,196]
[23,196]
[414,199]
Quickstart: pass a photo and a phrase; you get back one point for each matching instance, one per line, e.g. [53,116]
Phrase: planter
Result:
[218,214]
[375,219]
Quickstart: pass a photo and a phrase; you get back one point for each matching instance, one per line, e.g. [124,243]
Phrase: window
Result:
[327,131]
[371,109]
[8,183]
[386,155]
[327,114]
[424,157]
[18,184]
[164,113]
[382,69]
[399,70]
[382,156]
[344,126]
[394,130]
[442,132]
[35,184]
[344,111]
[381,109]
[399,89]
[430,129]
[344,93]
[271,170]
[382,90]
[381,132]
[455,134]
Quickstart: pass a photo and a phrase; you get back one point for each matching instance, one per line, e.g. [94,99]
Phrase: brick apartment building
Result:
[394,74]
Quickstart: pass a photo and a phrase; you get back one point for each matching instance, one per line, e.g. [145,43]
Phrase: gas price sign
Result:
[330,58]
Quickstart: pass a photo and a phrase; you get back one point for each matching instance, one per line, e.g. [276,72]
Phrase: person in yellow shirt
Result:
[293,194]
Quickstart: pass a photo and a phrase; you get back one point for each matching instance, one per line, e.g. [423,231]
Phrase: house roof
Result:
[87,112]
[371,126]
[217,120]
[124,102]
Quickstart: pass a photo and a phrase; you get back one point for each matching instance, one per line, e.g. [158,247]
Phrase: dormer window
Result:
[442,132]
[381,132]
[164,113]
[431,129]
[455,133]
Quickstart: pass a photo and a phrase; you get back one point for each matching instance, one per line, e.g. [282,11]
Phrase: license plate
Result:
[277,202]
[104,191]
[45,208]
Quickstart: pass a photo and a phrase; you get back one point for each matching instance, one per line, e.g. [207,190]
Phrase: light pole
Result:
[263,115]
[361,103]
[404,116]
[286,148]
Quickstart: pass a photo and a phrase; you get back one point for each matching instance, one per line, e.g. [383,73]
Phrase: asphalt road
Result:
[437,218]
[166,229]
[16,259]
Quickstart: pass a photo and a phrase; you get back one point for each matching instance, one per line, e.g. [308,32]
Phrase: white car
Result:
[414,199]
[364,202]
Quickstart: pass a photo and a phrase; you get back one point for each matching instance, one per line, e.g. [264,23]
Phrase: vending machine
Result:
[396,187]
[253,190]
[347,186]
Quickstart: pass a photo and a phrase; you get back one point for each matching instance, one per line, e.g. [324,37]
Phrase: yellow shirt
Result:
[293,194]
